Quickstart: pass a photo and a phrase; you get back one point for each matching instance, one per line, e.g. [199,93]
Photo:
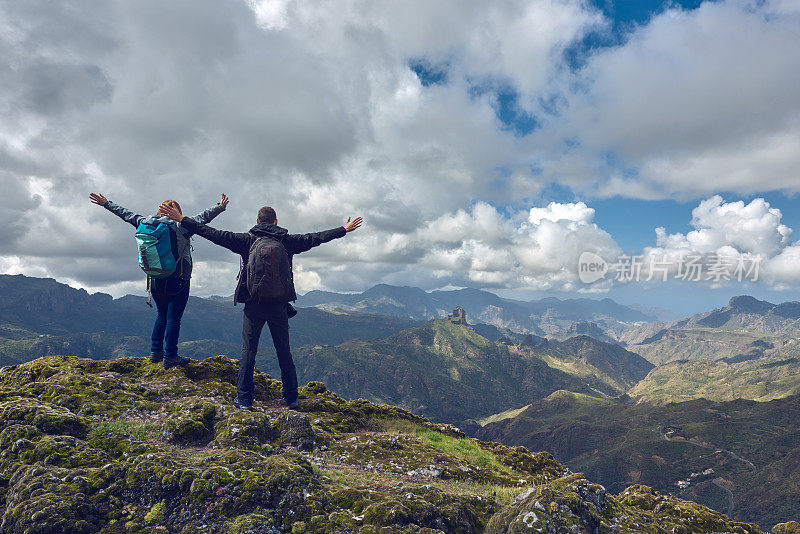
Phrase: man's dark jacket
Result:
[241,243]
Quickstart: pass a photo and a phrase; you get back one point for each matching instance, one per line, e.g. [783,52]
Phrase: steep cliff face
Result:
[124,446]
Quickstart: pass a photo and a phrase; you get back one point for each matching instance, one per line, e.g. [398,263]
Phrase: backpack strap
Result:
[180,258]
[149,293]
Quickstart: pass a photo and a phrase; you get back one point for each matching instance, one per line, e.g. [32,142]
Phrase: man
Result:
[258,311]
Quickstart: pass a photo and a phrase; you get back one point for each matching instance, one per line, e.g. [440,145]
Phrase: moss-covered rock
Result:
[246,430]
[124,446]
[792,527]
[572,504]
[45,417]
[296,430]
[190,423]
[156,514]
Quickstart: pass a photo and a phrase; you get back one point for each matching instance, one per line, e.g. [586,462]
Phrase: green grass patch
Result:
[508,414]
[126,428]
[462,448]
[392,425]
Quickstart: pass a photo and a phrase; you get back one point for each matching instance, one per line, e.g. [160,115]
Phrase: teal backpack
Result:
[158,249]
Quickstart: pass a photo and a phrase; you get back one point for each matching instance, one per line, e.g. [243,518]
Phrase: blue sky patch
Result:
[624,17]
[429,73]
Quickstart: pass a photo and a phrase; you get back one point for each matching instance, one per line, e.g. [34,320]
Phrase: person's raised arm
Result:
[124,214]
[208,215]
[297,243]
[235,242]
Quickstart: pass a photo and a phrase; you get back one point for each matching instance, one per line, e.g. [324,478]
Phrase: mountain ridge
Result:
[706,335]
[58,318]
[124,446]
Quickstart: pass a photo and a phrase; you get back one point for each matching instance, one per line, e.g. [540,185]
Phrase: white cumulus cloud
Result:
[726,233]
[534,249]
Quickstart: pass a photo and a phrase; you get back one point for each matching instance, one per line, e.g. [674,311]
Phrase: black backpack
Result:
[269,275]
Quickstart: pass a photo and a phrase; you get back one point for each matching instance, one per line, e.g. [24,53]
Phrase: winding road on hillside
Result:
[710,447]
[717,481]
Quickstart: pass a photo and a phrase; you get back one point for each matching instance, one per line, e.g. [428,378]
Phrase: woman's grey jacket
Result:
[183,235]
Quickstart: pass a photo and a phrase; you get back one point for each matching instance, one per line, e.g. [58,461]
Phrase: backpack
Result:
[158,249]
[269,275]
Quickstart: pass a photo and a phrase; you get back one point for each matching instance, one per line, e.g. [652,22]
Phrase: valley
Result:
[700,450]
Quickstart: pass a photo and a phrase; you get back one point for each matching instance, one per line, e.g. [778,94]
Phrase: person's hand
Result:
[170,211]
[98,199]
[349,226]
[223,201]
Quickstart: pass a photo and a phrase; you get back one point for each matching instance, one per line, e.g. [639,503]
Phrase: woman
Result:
[170,294]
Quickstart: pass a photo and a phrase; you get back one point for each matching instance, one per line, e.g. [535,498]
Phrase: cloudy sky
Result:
[485,144]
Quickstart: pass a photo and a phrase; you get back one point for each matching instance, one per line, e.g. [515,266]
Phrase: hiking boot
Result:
[246,407]
[156,357]
[291,311]
[177,361]
[294,405]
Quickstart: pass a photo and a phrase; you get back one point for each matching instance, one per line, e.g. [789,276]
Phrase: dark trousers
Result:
[170,295]
[255,316]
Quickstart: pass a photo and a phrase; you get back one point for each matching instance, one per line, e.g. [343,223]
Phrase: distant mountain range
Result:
[739,457]
[449,372]
[746,326]
[548,316]
[747,349]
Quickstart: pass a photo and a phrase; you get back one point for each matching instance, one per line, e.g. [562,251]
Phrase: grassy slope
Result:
[602,363]
[762,379]
[508,414]
[705,344]
[124,446]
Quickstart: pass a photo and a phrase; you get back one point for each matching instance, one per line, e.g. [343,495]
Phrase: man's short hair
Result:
[267,215]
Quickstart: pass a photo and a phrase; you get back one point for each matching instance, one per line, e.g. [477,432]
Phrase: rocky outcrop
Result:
[459,316]
[573,504]
[532,341]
